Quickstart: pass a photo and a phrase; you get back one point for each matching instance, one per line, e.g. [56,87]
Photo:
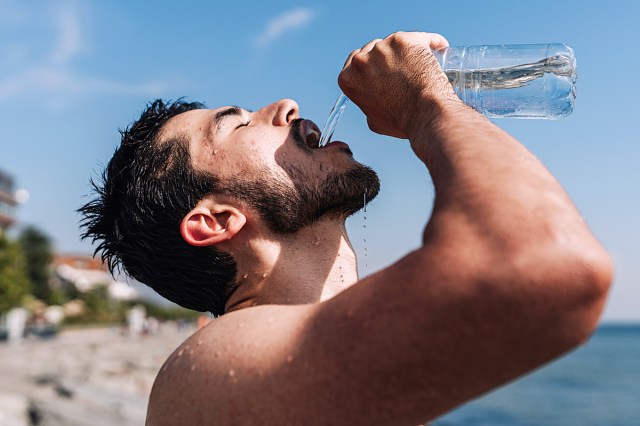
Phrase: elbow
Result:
[554,290]
[595,272]
[572,281]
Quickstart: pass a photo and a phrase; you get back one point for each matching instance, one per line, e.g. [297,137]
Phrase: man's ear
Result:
[210,223]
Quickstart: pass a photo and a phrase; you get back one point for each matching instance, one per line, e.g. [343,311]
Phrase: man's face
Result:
[270,158]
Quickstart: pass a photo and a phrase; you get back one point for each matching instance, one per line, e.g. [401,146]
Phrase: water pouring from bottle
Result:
[334,118]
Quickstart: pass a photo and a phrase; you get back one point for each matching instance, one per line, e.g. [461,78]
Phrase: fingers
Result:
[364,49]
[367,47]
[435,41]
[383,77]
[349,58]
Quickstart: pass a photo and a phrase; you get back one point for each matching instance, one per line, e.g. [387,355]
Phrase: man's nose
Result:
[285,111]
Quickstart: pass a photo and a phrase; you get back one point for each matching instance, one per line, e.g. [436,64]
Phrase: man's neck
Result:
[310,266]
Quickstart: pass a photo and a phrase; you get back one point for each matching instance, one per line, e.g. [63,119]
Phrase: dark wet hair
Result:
[144,193]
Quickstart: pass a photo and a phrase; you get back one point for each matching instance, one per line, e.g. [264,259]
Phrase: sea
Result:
[597,384]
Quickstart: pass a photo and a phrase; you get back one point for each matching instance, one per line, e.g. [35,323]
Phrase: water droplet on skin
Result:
[364,227]
[245,276]
[181,352]
[199,342]
[215,151]
[264,275]
[232,373]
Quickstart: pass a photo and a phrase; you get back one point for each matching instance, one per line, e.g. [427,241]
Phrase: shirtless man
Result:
[507,278]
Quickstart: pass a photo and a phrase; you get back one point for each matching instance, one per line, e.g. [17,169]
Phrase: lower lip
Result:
[336,143]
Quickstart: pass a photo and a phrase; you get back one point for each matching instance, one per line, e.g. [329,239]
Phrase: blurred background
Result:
[73,72]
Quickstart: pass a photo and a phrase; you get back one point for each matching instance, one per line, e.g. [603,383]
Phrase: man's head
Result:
[159,212]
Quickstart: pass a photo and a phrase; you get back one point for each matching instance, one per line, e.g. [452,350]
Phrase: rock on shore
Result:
[92,376]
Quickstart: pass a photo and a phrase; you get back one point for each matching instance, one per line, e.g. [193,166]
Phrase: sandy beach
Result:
[91,376]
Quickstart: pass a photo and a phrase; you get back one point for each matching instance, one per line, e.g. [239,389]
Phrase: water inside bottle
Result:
[542,89]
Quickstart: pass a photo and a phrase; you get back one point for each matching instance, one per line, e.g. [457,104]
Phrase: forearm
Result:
[501,216]
[488,183]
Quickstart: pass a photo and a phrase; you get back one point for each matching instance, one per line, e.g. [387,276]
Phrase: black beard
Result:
[340,195]
[286,210]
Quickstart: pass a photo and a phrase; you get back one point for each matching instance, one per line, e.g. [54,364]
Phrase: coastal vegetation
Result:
[28,279]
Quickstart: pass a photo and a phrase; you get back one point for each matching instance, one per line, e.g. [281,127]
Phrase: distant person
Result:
[240,213]
[136,317]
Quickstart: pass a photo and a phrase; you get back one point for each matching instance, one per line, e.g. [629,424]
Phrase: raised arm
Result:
[508,277]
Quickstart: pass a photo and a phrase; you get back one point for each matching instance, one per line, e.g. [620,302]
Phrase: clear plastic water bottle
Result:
[514,81]
[503,81]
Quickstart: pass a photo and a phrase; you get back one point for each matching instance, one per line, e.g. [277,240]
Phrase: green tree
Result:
[39,255]
[14,282]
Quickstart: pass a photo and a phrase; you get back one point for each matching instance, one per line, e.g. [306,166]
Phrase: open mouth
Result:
[310,134]
[307,135]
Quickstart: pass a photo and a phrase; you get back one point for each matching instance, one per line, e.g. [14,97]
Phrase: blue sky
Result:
[73,72]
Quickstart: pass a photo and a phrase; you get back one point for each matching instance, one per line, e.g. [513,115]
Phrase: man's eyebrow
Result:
[233,110]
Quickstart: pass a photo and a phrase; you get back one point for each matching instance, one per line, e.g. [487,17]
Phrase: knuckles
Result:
[397,40]
[343,80]
[359,61]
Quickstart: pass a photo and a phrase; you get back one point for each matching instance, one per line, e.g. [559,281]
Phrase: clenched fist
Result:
[397,81]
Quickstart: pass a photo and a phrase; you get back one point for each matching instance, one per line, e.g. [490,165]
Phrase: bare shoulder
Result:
[400,347]
[328,362]
[234,359]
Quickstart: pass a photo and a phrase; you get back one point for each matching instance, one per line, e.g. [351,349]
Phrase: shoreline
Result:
[93,372]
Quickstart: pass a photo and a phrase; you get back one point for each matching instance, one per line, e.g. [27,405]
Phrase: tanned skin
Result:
[507,278]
